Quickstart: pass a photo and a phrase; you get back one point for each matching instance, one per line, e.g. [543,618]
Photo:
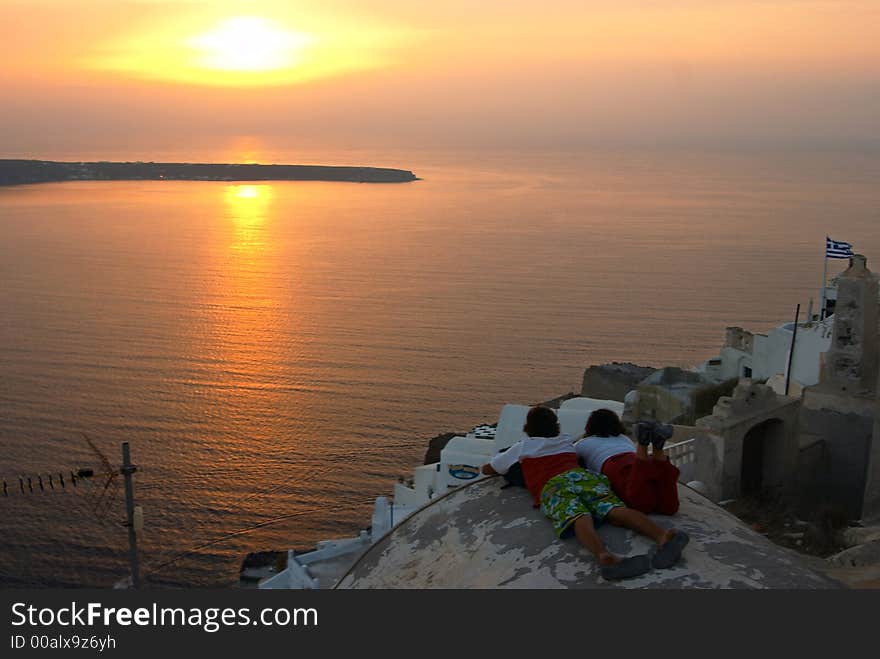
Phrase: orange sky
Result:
[114,73]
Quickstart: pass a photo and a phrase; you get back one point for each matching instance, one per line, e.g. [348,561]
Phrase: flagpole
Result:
[824,280]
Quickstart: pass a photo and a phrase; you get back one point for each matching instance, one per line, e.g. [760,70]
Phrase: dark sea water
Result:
[287,349]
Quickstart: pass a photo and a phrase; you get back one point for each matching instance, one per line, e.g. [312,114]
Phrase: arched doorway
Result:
[762,470]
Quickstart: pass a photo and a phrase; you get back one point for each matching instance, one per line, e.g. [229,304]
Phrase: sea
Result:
[277,354]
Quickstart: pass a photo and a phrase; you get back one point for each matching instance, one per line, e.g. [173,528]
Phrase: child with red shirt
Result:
[573,497]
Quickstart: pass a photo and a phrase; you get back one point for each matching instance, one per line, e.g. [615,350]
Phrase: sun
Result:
[249,44]
[246,50]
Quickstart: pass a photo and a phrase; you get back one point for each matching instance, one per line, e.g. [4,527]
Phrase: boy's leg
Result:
[670,542]
[637,521]
[585,532]
[610,566]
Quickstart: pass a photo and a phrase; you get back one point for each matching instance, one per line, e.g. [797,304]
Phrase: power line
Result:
[241,501]
[98,489]
[243,531]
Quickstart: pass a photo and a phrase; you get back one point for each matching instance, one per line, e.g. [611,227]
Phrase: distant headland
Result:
[17,172]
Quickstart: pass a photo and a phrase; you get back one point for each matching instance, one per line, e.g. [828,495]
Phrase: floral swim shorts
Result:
[577,492]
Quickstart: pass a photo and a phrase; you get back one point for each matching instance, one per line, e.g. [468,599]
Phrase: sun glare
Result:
[249,43]
[247,51]
[205,48]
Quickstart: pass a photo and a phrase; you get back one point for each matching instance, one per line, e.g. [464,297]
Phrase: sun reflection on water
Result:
[248,208]
[248,296]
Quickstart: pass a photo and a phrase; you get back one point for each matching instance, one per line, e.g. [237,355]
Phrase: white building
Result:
[766,356]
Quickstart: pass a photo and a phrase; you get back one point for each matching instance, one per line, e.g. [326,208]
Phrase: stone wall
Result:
[739,339]
[851,363]
[871,500]
[847,439]
[755,424]
[841,411]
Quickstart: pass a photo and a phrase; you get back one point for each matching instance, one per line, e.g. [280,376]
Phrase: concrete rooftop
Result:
[482,536]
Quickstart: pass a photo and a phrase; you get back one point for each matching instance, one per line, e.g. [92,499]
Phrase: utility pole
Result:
[127,470]
[797,314]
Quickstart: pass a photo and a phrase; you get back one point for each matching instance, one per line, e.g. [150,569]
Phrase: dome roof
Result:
[483,536]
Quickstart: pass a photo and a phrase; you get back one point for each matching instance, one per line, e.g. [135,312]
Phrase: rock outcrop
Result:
[613,381]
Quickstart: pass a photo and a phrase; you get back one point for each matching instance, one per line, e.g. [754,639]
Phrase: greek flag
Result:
[835,249]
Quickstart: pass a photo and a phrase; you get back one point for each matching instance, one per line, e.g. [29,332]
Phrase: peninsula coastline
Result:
[19,172]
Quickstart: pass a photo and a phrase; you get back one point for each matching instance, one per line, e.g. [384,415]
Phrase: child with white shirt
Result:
[648,483]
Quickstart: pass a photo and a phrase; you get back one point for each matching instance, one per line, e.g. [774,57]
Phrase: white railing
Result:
[684,456]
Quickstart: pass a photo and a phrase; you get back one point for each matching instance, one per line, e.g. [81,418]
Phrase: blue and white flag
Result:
[835,249]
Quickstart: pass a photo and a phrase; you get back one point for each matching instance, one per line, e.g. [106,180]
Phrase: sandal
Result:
[662,432]
[631,566]
[670,553]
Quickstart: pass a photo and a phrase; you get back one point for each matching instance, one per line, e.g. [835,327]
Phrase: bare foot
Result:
[669,551]
[607,558]
[666,537]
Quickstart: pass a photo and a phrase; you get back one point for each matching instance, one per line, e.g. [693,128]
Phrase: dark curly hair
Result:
[541,422]
[604,423]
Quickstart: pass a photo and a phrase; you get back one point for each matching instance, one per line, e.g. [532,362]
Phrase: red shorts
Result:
[650,486]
